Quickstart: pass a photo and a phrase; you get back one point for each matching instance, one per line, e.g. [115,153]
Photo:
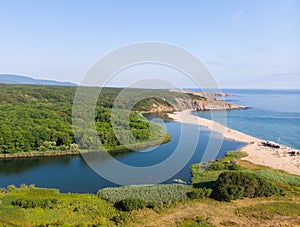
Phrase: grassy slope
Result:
[71,209]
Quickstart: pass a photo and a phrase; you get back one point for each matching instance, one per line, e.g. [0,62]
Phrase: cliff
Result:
[199,101]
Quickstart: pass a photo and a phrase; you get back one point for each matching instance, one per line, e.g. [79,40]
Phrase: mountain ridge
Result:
[18,79]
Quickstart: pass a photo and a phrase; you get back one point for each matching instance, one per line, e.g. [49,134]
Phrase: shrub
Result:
[74,147]
[23,186]
[214,166]
[130,204]
[11,187]
[120,219]
[233,185]
[63,148]
[198,193]
[234,167]
[42,148]
[33,203]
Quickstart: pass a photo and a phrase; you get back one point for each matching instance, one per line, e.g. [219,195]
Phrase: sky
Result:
[245,44]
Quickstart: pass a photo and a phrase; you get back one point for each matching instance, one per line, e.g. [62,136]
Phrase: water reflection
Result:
[72,174]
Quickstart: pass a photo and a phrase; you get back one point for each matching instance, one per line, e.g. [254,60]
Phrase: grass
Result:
[203,178]
[70,209]
[269,210]
[155,194]
[277,176]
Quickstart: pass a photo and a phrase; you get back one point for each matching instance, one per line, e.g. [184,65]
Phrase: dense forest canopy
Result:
[40,117]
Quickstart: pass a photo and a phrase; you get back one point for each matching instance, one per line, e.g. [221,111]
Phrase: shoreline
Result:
[56,153]
[276,158]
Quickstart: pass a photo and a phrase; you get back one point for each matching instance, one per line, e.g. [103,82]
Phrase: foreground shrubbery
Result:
[153,194]
[34,203]
[199,193]
[223,166]
[231,181]
[130,204]
[29,206]
[234,185]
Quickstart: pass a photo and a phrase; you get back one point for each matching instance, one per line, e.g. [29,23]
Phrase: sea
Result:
[272,115]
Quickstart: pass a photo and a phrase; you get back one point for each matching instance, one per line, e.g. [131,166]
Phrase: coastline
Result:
[276,158]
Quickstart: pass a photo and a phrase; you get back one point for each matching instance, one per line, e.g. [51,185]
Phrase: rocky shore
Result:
[200,101]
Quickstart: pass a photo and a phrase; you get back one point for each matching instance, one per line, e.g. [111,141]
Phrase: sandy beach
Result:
[277,158]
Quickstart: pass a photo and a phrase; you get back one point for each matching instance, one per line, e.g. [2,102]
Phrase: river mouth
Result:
[72,174]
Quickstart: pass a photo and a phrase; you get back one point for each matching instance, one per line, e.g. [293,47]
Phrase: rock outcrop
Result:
[198,101]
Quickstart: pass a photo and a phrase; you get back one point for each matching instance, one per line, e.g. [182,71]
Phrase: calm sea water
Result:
[72,174]
[273,114]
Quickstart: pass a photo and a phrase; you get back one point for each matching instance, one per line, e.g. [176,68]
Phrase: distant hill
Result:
[15,79]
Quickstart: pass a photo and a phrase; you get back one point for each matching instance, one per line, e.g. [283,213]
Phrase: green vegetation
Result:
[29,206]
[151,194]
[235,185]
[39,118]
[199,193]
[206,174]
[231,181]
[157,205]
[130,204]
[279,177]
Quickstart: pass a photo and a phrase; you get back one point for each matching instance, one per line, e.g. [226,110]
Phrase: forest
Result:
[39,118]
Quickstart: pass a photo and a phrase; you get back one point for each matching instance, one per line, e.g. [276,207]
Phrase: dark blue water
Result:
[273,114]
[72,174]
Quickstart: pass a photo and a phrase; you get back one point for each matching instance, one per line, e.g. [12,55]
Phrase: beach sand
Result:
[276,158]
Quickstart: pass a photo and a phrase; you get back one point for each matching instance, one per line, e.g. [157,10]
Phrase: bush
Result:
[130,204]
[74,147]
[199,193]
[23,186]
[234,167]
[42,203]
[11,187]
[234,185]
[216,166]
[63,148]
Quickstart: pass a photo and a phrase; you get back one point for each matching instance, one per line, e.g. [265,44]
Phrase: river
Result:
[72,174]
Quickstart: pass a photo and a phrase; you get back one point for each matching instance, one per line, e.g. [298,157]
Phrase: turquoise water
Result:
[273,114]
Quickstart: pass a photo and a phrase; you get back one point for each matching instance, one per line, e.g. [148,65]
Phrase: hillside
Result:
[39,118]
[16,79]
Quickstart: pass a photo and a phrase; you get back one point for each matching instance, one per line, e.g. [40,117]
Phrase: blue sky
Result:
[245,44]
